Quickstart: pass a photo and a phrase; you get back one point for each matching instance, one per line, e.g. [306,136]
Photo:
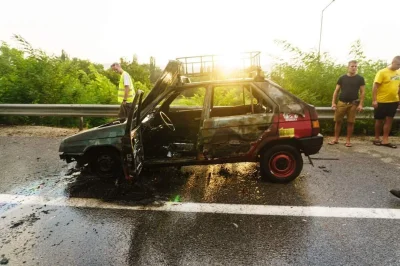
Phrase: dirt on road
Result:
[36,131]
[29,154]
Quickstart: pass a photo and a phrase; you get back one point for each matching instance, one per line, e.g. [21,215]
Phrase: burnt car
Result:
[203,123]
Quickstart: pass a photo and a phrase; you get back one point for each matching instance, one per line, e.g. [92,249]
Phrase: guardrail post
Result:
[81,123]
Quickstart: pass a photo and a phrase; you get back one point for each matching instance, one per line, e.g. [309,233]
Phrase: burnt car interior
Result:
[163,142]
[184,109]
[248,101]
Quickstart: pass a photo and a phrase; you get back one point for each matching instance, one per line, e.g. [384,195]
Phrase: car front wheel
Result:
[281,164]
[106,164]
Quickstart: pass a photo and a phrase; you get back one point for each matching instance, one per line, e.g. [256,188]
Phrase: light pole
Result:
[320,31]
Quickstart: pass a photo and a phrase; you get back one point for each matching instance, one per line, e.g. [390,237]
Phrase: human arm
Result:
[398,108]
[127,89]
[377,82]
[374,94]
[126,93]
[334,97]
[362,97]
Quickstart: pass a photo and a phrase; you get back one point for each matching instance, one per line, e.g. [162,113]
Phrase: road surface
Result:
[339,212]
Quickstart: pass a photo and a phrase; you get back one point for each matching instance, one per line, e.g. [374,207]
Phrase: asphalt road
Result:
[217,215]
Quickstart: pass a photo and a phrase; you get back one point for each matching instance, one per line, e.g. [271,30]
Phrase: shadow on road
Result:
[153,185]
[226,183]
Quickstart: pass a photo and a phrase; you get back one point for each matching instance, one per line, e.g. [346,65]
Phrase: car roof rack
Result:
[219,67]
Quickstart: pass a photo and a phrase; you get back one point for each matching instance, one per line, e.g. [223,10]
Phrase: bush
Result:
[30,76]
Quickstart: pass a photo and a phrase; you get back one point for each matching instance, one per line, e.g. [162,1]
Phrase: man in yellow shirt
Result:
[385,100]
[125,91]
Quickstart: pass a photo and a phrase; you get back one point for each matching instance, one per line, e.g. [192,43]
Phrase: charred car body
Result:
[201,123]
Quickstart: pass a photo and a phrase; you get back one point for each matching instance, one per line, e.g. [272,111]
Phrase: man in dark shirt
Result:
[350,86]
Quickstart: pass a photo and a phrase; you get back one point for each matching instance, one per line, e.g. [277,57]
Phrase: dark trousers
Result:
[124,110]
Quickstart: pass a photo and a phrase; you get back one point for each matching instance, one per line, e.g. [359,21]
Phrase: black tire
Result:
[106,164]
[281,164]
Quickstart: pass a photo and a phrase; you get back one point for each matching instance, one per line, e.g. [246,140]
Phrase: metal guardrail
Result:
[325,113]
[103,110]
[66,110]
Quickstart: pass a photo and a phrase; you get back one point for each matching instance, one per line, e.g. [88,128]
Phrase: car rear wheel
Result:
[106,164]
[281,164]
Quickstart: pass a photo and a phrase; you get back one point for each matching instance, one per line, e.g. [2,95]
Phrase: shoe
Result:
[395,192]
[377,142]
[390,145]
[333,142]
[348,145]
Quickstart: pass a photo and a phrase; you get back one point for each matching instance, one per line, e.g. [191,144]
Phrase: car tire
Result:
[106,164]
[281,164]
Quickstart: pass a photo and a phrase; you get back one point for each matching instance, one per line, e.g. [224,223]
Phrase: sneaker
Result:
[395,192]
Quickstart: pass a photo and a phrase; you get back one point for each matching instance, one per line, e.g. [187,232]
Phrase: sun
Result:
[229,62]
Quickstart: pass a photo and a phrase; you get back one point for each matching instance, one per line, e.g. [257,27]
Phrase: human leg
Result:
[341,110]
[338,127]
[351,118]
[379,116]
[350,129]
[387,126]
[122,112]
[378,129]
[389,111]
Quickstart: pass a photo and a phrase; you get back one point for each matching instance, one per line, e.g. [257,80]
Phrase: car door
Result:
[132,146]
[236,118]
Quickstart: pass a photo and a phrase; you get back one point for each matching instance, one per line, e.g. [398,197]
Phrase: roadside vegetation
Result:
[29,76]
[314,79]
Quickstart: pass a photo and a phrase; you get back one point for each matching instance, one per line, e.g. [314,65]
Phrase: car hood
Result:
[100,132]
[167,78]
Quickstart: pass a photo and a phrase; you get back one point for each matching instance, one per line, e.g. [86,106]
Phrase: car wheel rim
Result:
[105,163]
[282,165]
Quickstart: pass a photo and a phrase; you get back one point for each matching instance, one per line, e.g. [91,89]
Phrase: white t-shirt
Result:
[127,81]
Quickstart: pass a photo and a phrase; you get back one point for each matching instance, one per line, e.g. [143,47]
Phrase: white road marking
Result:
[188,207]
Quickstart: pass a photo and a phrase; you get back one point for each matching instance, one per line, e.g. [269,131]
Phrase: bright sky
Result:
[103,31]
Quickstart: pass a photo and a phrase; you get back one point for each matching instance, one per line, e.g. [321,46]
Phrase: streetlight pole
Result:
[320,31]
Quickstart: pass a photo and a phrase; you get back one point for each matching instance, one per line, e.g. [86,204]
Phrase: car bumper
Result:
[69,157]
[311,145]
[66,158]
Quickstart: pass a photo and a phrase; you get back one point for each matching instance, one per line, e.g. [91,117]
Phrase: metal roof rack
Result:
[212,67]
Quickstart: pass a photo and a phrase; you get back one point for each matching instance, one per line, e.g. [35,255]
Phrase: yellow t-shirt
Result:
[389,81]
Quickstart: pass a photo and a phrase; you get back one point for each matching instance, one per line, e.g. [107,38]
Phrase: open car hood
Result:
[167,78]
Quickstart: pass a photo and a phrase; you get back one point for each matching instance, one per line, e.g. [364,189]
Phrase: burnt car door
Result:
[132,146]
[237,116]
[132,142]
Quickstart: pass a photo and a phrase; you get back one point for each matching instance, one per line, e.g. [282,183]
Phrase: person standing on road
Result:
[351,100]
[385,100]
[126,91]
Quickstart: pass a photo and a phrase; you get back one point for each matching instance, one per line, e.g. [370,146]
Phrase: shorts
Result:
[385,110]
[349,109]
[124,110]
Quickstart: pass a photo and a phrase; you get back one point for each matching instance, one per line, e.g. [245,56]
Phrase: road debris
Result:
[3,261]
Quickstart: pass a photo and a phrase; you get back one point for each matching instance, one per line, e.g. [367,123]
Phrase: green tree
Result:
[155,72]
